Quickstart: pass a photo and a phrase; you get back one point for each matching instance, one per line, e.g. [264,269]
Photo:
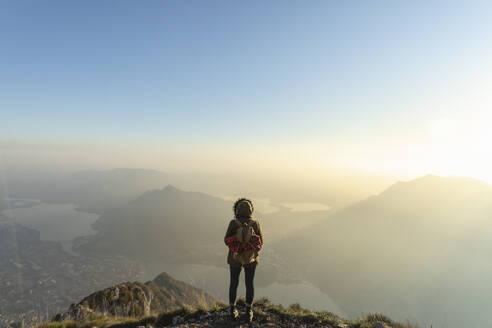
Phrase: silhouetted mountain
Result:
[137,299]
[168,223]
[422,245]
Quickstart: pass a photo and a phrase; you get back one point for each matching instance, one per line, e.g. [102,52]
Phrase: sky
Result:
[307,88]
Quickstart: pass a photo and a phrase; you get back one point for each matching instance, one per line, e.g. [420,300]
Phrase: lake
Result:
[55,222]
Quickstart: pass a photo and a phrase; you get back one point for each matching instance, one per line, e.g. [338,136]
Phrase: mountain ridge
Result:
[427,235]
[135,299]
[152,225]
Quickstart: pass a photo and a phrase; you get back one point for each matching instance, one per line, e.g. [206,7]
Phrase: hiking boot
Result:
[234,313]
[249,315]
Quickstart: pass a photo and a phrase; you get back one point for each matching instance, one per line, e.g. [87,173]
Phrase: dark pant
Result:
[249,272]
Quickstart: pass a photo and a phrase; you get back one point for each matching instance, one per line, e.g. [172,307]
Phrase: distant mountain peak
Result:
[170,188]
[433,182]
[439,178]
[163,277]
[431,177]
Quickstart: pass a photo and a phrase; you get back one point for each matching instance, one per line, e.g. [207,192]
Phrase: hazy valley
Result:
[390,253]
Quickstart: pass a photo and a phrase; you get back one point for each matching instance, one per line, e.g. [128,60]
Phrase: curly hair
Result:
[236,203]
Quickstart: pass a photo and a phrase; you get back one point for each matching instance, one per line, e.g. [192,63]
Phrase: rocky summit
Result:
[266,314]
[136,299]
[167,302]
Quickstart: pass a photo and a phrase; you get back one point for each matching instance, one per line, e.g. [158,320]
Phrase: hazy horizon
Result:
[288,89]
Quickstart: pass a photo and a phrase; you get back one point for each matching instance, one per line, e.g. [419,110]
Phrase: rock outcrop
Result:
[266,314]
[136,299]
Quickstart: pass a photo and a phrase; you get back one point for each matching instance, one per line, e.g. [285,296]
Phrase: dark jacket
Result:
[231,231]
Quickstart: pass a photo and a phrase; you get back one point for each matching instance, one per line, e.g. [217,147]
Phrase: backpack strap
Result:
[240,224]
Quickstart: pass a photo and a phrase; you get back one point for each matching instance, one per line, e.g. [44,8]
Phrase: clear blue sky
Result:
[242,71]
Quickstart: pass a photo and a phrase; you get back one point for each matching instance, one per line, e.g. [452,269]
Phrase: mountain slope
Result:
[266,314]
[168,223]
[164,293]
[421,245]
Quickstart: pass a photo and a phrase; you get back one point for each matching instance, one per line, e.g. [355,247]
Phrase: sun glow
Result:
[446,147]
[460,148]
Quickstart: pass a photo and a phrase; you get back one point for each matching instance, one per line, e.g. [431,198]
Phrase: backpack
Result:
[243,234]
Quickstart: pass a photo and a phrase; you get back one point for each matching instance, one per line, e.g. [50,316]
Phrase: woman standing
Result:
[244,239]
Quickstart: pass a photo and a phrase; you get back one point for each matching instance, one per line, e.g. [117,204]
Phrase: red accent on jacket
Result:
[236,246]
